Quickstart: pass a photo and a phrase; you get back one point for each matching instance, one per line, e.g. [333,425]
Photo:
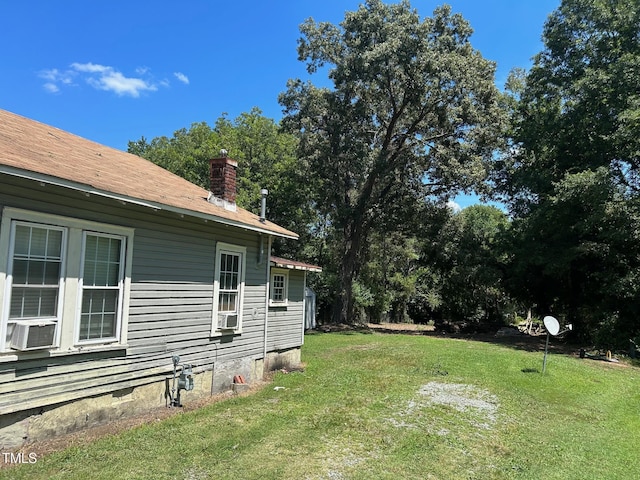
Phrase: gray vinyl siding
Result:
[171,302]
[285,324]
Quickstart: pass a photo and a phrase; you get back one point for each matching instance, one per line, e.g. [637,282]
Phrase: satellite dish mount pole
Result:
[553,328]
[546,347]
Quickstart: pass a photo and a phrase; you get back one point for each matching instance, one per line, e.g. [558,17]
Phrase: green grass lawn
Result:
[374,406]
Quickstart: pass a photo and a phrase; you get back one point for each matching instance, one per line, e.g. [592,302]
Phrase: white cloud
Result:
[182,77]
[51,75]
[51,87]
[454,206]
[55,77]
[105,78]
[90,67]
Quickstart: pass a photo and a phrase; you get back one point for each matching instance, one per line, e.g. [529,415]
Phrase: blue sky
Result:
[119,70]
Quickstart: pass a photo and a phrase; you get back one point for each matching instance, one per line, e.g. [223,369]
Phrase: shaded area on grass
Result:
[516,339]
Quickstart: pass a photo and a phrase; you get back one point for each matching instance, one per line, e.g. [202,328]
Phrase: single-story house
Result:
[116,276]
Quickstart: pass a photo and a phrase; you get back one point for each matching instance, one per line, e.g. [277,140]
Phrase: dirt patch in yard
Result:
[474,405]
[463,398]
[408,328]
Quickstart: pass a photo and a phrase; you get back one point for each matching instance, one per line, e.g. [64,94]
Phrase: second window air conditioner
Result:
[228,320]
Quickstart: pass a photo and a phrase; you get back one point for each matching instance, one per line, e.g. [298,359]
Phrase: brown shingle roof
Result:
[35,150]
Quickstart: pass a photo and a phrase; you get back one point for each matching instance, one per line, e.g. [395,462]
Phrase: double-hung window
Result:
[279,288]
[37,271]
[66,286]
[102,287]
[228,289]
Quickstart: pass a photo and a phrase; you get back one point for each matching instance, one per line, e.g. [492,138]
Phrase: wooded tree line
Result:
[363,169]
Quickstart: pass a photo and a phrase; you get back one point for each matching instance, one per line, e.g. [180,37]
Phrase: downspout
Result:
[261,251]
[266,297]
[304,307]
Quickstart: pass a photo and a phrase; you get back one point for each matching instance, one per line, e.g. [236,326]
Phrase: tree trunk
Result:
[343,311]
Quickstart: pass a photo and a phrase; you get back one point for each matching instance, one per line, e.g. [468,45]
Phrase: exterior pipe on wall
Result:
[263,204]
[266,298]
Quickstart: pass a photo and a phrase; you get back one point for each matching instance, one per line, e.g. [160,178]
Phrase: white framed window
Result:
[279,294]
[66,284]
[102,285]
[228,290]
[36,274]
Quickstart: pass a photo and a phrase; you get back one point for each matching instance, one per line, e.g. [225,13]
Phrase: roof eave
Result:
[294,266]
[88,189]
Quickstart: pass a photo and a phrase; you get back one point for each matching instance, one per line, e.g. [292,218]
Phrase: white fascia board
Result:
[59,182]
[294,267]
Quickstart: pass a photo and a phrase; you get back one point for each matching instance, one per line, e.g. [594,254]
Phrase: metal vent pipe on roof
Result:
[263,205]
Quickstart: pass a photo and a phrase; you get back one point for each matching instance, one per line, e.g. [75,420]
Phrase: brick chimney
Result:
[222,180]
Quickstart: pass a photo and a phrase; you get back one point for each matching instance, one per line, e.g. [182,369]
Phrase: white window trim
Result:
[121,279]
[279,303]
[234,250]
[61,282]
[66,339]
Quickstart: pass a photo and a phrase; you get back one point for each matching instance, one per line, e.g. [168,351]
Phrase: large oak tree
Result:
[411,112]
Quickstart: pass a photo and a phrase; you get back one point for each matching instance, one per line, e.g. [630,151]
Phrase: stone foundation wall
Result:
[54,420]
[47,422]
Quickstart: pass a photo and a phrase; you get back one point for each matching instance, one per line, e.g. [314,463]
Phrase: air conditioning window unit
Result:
[32,336]
[228,321]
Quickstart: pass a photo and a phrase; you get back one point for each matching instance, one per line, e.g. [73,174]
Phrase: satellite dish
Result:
[552,325]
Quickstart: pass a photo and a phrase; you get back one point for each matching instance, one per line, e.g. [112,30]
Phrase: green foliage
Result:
[413,111]
[467,255]
[363,299]
[392,272]
[266,159]
[452,268]
[571,178]
[186,154]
